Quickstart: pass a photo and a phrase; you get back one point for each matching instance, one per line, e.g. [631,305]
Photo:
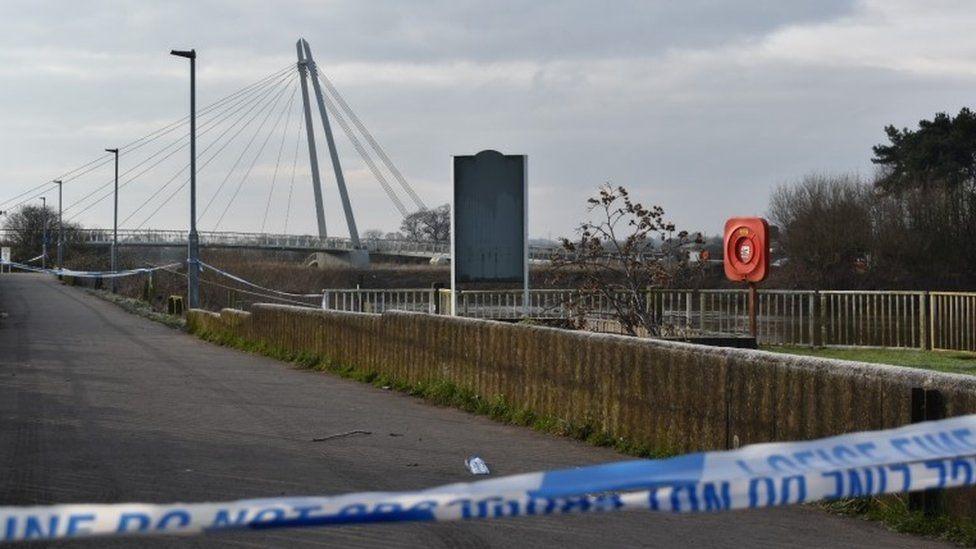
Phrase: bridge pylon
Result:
[307,70]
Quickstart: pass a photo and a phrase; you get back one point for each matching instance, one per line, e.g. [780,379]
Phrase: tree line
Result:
[912,225]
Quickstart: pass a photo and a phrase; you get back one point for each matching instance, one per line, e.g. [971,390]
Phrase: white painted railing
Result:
[377,301]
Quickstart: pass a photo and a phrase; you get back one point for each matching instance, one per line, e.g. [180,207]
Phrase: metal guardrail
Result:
[885,319]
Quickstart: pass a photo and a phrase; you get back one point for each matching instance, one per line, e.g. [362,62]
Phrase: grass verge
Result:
[954,362]
[893,510]
[446,393]
[894,513]
[138,307]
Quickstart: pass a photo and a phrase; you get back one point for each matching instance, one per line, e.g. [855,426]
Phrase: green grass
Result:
[138,307]
[942,361]
[892,510]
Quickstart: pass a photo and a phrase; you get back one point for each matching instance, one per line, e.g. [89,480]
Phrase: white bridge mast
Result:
[307,70]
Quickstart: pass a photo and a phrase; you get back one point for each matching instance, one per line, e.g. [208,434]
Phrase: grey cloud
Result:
[674,99]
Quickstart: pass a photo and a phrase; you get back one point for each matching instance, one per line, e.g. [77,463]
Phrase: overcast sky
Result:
[699,106]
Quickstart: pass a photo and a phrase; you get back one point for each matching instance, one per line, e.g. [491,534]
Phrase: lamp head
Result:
[189,54]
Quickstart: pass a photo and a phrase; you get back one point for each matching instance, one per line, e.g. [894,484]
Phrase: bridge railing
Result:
[422,300]
[259,240]
[163,237]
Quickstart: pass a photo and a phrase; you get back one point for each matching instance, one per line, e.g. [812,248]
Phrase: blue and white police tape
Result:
[253,285]
[939,454]
[88,274]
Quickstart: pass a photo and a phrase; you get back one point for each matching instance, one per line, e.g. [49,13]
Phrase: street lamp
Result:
[60,228]
[115,218]
[44,232]
[193,240]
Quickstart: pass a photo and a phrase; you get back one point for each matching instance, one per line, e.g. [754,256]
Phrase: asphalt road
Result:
[97,405]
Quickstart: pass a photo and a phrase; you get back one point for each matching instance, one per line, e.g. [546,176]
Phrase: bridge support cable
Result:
[254,161]
[39,190]
[267,112]
[253,104]
[294,167]
[206,127]
[380,152]
[206,162]
[205,111]
[105,159]
[367,159]
[274,176]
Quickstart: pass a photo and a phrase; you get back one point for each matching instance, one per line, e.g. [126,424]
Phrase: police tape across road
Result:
[939,454]
[236,278]
[88,274]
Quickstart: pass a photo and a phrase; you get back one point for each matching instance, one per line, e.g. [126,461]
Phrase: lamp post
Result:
[115,218]
[60,228]
[44,232]
[193,240]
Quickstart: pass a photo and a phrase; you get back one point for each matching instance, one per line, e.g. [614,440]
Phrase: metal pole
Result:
[60,228]
[115,219]
[44,233]
[333,152]
[193,240]
[753,306]
[313,158]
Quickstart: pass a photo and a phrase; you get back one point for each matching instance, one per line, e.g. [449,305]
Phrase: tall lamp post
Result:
[44,232]
[115,218]
[60,228]
[193,240]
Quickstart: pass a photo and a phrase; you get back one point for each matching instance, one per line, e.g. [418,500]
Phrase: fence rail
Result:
[952,323]
[835,318]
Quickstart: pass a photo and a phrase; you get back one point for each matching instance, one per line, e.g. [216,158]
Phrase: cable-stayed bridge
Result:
[282,242]
[256,159]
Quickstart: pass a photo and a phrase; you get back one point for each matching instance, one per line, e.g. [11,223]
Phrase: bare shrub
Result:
[619,256]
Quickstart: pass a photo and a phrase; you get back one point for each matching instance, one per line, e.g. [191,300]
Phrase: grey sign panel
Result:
[489,217]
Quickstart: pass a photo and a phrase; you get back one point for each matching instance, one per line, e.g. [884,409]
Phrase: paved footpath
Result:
[97,405]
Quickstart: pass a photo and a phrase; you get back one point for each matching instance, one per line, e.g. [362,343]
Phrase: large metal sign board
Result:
[5,255]
[488,218]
